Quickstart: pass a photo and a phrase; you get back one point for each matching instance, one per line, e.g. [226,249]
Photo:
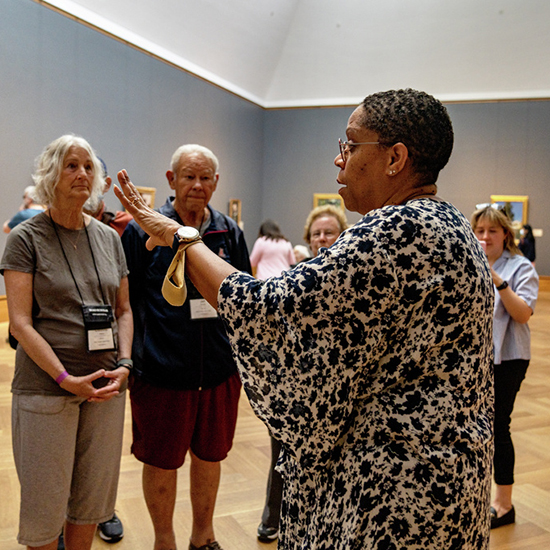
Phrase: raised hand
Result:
[160,229]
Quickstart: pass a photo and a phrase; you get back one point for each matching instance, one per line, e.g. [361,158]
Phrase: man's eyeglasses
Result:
[345,146]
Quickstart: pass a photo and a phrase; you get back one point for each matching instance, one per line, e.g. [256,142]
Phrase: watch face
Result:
[186,233]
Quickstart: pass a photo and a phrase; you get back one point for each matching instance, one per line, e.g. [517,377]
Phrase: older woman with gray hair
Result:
[67,289]
[324,225]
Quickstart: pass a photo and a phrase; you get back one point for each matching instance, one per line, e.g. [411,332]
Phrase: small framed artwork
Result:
[148,194]
[321,199]
[234,210]
[515,207]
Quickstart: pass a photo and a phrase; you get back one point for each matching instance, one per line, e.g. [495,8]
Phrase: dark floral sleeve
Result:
[302,340]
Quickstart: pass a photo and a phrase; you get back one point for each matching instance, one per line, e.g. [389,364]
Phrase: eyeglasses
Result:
[346,145]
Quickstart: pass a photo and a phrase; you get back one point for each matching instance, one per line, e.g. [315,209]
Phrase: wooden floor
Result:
[241,494]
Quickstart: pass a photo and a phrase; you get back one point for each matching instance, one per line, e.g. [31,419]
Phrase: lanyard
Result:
[69,265]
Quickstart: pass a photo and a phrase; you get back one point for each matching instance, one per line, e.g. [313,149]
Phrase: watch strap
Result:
[502,286]
[127,363]
[175,243]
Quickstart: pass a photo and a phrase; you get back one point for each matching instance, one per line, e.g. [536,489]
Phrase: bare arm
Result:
[205,269]
[19,289]
[123,313]
[125,321]
[515,306]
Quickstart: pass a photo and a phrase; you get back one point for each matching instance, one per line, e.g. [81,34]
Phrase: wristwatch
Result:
[127,363]
[174,288]
[503,285]
[184,235]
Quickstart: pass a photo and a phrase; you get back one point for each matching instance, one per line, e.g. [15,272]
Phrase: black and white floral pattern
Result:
[372,364]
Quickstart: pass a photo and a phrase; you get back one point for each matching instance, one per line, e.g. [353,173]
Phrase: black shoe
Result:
[210,546]
[508,518]
[267,534]
[112,530]
[61,542]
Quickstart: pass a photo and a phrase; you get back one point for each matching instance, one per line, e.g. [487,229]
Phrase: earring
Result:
[392,172]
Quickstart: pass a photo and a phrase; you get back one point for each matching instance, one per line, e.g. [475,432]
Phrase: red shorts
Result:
[167,423]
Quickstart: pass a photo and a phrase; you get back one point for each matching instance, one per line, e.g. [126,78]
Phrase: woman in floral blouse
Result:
[372,362]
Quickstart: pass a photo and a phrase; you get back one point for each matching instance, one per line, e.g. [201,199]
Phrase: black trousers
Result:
[274,492]
[508,378]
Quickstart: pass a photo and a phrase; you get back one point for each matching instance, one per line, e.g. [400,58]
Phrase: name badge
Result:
[101,339]
[201,309]
[98,326]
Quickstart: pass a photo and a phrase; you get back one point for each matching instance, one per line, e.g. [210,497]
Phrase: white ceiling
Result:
[286,53]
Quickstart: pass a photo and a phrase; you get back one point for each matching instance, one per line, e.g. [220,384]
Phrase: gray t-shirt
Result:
[33,247]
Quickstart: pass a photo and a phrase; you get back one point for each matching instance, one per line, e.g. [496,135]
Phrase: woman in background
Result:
[516,284]
[272,253]
[527,243]
[323,226]
[64,272]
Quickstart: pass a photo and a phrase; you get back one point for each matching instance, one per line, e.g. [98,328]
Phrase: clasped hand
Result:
[83,386]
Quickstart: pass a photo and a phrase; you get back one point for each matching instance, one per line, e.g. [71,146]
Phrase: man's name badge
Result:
[201,309]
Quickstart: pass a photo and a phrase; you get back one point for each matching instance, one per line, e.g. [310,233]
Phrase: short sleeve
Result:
[526,283]
[19,254]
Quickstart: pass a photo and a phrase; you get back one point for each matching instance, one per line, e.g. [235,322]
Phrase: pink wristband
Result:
[62,377]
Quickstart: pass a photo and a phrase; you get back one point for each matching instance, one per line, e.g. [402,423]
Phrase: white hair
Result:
[49,166]
[29,192]
[190,149]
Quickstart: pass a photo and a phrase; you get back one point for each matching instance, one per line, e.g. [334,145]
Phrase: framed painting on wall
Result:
[234,210]
[148,194]
[321,199]
[515,207]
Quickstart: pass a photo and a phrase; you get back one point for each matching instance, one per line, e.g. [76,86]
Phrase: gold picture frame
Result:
[515,206]
[334,199]
[148,194]
[234,210]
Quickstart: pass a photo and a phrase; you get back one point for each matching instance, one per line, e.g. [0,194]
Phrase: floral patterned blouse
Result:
[372,365]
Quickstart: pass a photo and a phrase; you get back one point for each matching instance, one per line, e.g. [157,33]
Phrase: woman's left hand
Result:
[112,388]
[160,229]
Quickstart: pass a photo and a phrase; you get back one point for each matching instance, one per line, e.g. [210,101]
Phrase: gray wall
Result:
[500,149]
[57,76]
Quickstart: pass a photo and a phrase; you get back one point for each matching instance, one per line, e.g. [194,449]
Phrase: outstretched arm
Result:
[205,269]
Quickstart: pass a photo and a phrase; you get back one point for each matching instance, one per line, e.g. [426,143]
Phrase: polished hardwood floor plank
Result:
[244,472]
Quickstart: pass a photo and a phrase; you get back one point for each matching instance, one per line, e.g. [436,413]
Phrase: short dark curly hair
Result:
[417,120]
